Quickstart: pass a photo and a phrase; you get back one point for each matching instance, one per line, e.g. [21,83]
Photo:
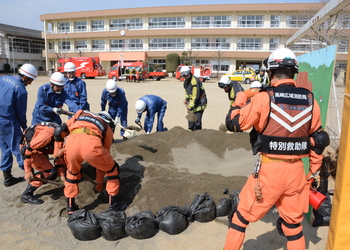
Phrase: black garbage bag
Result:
[323,213]
[172,219]
[83,225]
[202,208]
[223,208]
[142,225]
[112,224]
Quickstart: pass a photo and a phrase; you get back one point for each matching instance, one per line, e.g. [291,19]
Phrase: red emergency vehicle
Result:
[203,73]
[86,66]
[134,71]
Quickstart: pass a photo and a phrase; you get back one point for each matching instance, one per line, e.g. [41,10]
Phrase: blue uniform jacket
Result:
[13,101]
[117,105]
[77,93]
[47,100]
[154,104]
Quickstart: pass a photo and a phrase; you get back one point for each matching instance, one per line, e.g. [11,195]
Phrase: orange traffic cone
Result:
[316,198]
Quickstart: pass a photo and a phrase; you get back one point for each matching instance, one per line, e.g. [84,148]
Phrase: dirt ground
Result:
[157,170]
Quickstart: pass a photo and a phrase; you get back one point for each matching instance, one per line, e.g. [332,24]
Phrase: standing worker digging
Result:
[288,125]
[195,98]
[90,139]
[13,118]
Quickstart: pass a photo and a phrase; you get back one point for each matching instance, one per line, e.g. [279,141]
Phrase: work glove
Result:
[99,187]
[137,120]
[315,179]
[58,111]
[117,120]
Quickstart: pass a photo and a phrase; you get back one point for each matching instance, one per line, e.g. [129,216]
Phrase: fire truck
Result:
[86,66]
[203,73]
[136,71]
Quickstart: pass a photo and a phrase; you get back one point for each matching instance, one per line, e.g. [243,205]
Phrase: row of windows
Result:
[244,21]
[26,46]
[243,44]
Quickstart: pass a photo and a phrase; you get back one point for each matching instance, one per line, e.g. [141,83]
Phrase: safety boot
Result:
[116,206]
[9,180]
[71,206]
[28,196]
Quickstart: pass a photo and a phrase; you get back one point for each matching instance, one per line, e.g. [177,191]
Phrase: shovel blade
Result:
[191,117]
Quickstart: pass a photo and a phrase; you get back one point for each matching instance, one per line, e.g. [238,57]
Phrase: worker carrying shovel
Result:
[90,139]
[37,143]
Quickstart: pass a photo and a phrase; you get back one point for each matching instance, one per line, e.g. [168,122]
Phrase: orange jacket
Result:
[243,97]
[256,114]
[107,138]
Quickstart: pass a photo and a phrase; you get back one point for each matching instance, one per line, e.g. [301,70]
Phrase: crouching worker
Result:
[90,139]
[37,143]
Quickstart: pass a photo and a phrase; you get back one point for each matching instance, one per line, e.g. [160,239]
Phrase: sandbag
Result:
[323,213]
[223,208]
[112,224]
[142,225]
[172,219]
[84,225]
[202,208]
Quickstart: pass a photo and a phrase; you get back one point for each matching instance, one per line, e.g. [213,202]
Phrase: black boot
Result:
[9,180]
[116,206]
[28,196]
[71,206]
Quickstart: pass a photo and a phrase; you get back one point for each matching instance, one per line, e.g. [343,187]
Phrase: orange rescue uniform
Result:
[88,142]
[36,154]
[243,97]
[281,178]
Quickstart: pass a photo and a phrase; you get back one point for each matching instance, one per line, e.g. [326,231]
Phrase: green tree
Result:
[172,61]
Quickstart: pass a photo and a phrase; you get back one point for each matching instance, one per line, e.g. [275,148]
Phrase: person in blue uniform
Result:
[152,105]
[50,100]
[76,90]
[117,103]
[13,118]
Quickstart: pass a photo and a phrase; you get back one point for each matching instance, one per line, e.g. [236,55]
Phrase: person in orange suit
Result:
[38,142]
[288,127]
[90,139]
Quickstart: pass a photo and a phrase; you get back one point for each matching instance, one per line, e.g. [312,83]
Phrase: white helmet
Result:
[69,67]
[282,59]
[224,80]
[29,70]
[57,78]
[256,84]
[185,70]
[140,106]
[111,86]
[107,118]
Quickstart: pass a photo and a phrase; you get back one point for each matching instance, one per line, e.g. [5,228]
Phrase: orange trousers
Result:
[41,163]
[282,184]
[83,147]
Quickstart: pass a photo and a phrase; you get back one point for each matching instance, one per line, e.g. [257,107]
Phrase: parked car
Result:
[242,75]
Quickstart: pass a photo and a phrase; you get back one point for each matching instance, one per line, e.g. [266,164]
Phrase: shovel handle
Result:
[46,181]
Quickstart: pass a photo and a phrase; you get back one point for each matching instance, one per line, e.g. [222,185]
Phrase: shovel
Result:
[65,112]
[128,133]
[47,181]
[191,117]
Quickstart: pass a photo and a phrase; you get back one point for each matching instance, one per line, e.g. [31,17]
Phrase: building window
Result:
[343,46]
[202,62]
[63,27]
[132,24]
[297,21]
[80,26]
[250,21]
[224,65]
[36,47]
[81,46]
[157,64]
[97,25]
[166,43]
[249,44]
[210,43]
[275,21]
[274,44]
[65,46]
[166,22]
[301,47]
[344,21]
[211,21]
[98,45]
[129,44]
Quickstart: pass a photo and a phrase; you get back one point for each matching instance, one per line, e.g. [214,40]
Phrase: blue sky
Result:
[24,13]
